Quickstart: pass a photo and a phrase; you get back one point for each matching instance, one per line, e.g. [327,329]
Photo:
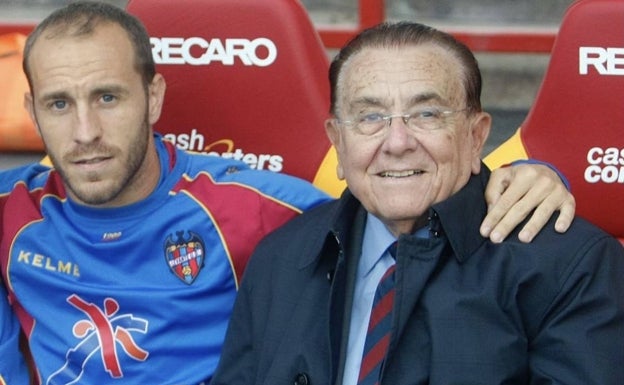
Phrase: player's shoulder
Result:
[33,175]
[234,173]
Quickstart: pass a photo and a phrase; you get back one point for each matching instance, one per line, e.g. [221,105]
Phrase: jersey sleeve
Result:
[13,369]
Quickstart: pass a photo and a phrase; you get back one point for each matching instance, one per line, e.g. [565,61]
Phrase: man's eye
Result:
[107,98]
[428,113]
[372,118]
[58,104]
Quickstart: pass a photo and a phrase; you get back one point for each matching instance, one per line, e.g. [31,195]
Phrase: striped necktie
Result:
[378,333]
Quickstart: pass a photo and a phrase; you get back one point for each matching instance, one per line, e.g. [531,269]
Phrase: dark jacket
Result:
[467,311]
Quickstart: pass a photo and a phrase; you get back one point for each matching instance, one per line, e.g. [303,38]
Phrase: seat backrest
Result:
[577,120]
[17,131]
[245,79]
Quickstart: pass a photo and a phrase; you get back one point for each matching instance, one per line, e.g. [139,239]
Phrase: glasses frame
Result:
[387,120]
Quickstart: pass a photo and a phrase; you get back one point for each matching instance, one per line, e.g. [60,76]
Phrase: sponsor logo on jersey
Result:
[47,263]
[105,334]
[606,165]
[185,255]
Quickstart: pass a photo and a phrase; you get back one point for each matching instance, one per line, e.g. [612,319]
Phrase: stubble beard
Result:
[131,165]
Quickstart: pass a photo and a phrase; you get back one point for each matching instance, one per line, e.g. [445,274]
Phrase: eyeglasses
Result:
[424,119]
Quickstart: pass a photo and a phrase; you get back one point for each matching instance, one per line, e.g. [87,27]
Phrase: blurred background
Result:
[475,12]
[511,77]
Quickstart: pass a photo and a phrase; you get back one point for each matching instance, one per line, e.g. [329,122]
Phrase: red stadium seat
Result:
[17,132]
[245,79]
[577,119]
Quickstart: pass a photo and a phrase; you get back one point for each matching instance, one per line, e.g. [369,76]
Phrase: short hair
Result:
[80,19]
[401,34]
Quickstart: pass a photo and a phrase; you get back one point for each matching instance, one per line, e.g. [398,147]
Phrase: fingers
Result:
[499,181]
[566,213]
[519,191]
[501,195]
[512,207]
[559,200]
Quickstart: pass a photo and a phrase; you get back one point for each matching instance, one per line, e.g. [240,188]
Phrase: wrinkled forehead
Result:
[401,75]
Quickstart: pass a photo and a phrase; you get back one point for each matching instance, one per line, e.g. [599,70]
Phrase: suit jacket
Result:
[467,311]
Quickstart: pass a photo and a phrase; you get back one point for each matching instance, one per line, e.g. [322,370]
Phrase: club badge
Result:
[185,255]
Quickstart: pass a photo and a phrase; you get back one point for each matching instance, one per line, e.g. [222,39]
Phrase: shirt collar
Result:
[461,214]
[376,240]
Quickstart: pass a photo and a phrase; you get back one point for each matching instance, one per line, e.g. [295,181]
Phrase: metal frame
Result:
[371,12]
[530,40]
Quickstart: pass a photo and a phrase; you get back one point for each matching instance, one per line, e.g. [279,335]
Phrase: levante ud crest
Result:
[185,255]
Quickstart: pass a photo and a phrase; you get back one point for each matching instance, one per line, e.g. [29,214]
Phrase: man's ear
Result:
[156,97]
[480,130]
[333,133]
[30,107]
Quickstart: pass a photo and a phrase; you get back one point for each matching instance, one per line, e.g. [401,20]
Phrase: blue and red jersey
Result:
[140,294]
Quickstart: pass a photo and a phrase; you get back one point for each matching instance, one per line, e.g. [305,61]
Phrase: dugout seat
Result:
[17,132]
[245,79]
[577,119]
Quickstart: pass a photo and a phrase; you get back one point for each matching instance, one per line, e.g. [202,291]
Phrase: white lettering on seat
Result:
[605,165]
[225,148]
[606,61]
[259,52]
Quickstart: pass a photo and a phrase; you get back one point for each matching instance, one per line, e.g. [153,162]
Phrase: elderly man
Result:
[393,284]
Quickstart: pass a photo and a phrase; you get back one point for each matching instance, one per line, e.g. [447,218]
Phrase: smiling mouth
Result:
[400,174]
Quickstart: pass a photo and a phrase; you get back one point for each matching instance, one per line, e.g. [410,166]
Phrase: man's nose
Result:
[399,136]
[87,125]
